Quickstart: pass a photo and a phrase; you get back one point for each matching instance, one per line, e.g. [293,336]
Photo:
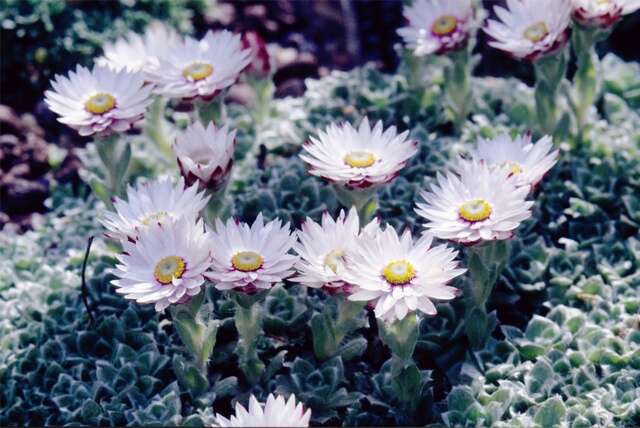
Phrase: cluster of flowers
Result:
[169,252]
[526,29]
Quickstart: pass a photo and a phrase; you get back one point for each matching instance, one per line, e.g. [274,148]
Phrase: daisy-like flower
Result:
[323,248]
[358,158]
[276,412]
[602,13]
[526,161]
[399,275]
[437,26]
[99,101]
[205,155]
[165,265]
[160,201]
[201,68]
[480,204]
[530,29]
[135,52]
[250,258]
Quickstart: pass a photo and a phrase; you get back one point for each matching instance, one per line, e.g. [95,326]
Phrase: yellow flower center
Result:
[475,210]
[536,32]
[334,259]
[197,71]
[603,2]
[513,167]
[399,272]
[168,268]
[359,159]
[444,25]
[155,218]
[100,103]
[247,261]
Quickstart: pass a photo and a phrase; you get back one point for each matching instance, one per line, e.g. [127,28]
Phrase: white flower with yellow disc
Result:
[160,201]
[399,275]
[201,68]
[251,258]
[276,412]
[530,29]
[99,101]
[482,204]
[437,26]
[358,158]
[165,265]
[526,161]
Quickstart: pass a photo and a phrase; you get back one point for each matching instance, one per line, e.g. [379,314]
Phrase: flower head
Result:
[135,52]
[99,101]
[602,13]
[358,158]
[165,265]
[276,412]
[201,68]
[323,249]
[530,29]
[526,161]
[480,204]
[437,26]
[260,65]
[205,155]
[160,202]
[399,275]
[250,258]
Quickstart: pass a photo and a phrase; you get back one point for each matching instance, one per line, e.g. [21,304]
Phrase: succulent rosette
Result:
[358,158]
[251,258]
[205,155]
[100,100]
[528,162]
[201,68]
[276,412]
[602,13]
[165,265]
[157,202]
[437,26]
[135,52]
[530,29]
[400,275]
[480,204]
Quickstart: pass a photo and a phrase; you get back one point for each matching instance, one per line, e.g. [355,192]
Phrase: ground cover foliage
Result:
[565,347]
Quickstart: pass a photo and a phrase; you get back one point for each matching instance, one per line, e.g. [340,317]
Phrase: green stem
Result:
[155,127]
[116,163]
[248,319]
[485,262]
[363,199]
[212,111]
[457,86]
[217,206]
[549,71]
[264,90]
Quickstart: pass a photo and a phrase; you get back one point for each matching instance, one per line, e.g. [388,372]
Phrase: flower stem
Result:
[457,86]
[549,71]
[485,263]
[116,163]
[248,320]
[363,199]
[212,111]
[155,127]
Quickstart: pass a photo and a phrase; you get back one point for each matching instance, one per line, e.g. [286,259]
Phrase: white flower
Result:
[358,158]
[201,68]
[99,101]
[530,29]
[135,52]
[400,275]
[480,204]
[275,413]
[323,249]
[165,265]
[156,202]
[526,161]
[251,258]
[205,155]
[602,13]
[437,26]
